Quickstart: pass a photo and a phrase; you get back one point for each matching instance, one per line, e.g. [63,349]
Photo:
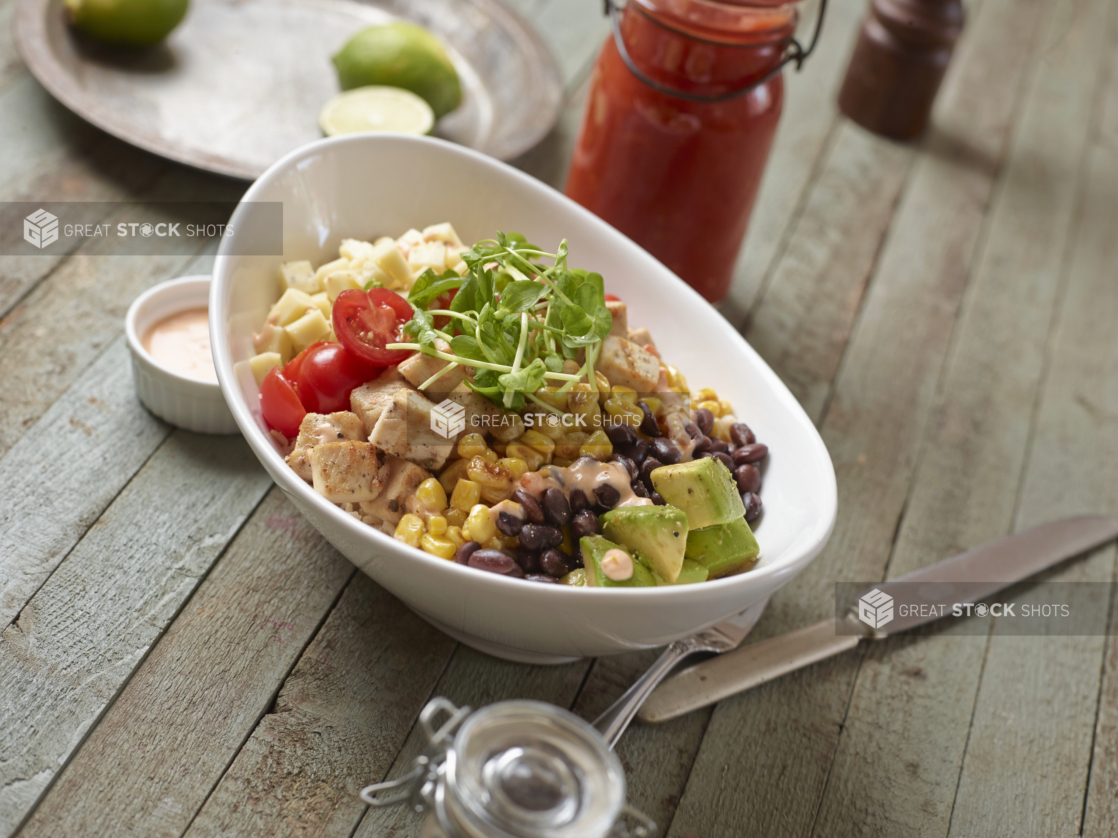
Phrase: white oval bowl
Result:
[180,400]
[365,186]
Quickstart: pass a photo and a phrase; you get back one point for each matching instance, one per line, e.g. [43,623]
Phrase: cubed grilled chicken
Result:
[370,400]
[625,363]
[419,368]
[346,472]
[401,479]
[404,429]
[318,429]
[641,337]
[620,313]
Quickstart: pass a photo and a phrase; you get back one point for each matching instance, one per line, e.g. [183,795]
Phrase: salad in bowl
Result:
[490,405]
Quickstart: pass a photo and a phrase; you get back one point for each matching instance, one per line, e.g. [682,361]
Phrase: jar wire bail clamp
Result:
[794,53]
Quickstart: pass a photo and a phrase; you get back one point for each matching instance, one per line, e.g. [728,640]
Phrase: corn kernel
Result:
[410,529]
[726,407]
[493,543]
[439,546]
[654,404]
[584,402]
[566,546]
[623,412]
[597,446]
[626,394]
[511,542]
[552,426]
[721,428]
[561,461]
[497,447]
[436,525]
[571,367]
[706,394]
[519,451]
[479,523]
[676,380]
[552,396]
[465,495]
[495,494]
[471,445]
[539,442]
[455,535]
[509,428]
[567,446]
[486,473]
[431,494]
[711,405]
[602,382]
[456,517]
[452,474]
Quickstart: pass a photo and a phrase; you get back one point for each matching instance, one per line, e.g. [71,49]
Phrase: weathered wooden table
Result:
[183,654]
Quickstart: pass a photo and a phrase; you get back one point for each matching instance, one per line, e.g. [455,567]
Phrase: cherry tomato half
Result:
[367,321]
[280,405]
[443,301]
[327,373]
[291,369]
[612,298]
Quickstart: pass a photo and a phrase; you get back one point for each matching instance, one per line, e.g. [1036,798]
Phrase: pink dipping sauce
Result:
[181,343]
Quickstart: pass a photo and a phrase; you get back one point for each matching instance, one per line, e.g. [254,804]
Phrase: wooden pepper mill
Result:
[902,53]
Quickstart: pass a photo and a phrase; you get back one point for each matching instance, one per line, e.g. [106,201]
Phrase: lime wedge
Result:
[376,109]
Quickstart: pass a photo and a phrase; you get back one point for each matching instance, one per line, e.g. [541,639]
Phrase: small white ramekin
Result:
[184,402]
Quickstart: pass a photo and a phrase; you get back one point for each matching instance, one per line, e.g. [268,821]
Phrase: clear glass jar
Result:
[516,769]
[684,101]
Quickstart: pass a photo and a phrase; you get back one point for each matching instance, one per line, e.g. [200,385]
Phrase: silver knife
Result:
[968,577]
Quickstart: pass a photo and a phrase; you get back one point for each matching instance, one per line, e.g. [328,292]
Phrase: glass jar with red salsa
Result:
[683,105]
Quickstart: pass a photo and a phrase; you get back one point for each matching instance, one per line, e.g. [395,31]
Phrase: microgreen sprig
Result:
[514,319]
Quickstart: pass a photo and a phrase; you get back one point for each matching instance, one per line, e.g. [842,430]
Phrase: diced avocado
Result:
[724,549]
[704,489]
[659,533]
[691,572]
[594,548]
[576,577]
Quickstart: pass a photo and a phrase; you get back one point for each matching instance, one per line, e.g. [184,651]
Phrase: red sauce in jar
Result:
[677,176]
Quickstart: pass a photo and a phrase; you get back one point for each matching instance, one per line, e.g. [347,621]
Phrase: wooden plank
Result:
[657,758]
[339,721]
[809,118]
[802,324]
[145,772]
[475,680]
[966,488]
[79,639]
[50,499]
[784,735]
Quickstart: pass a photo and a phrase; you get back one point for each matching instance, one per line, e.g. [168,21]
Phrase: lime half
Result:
[127,23]
[376,109]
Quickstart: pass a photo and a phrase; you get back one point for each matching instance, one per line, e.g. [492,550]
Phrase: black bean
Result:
[630,466]
[752,453]
[584,523]
[528,560]
[531,506]
[748,477]
[647,467]
[508,523]
[554,563]
[578,500]
[637,451]
[516,572]
[705,420]
[576,557]
[659,501]
[621,434]
[664,450]
[724,458]
[639,488]
[753,506]
[541,577]
[495,561]
[718,446]
[540,537]
[556,507]
[462,555]
[693,430]
[607,495]
[648,423]
[702,446]
[741,434]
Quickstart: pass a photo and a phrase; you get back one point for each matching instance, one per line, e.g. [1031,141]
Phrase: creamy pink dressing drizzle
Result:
[181,343]
[584,474]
